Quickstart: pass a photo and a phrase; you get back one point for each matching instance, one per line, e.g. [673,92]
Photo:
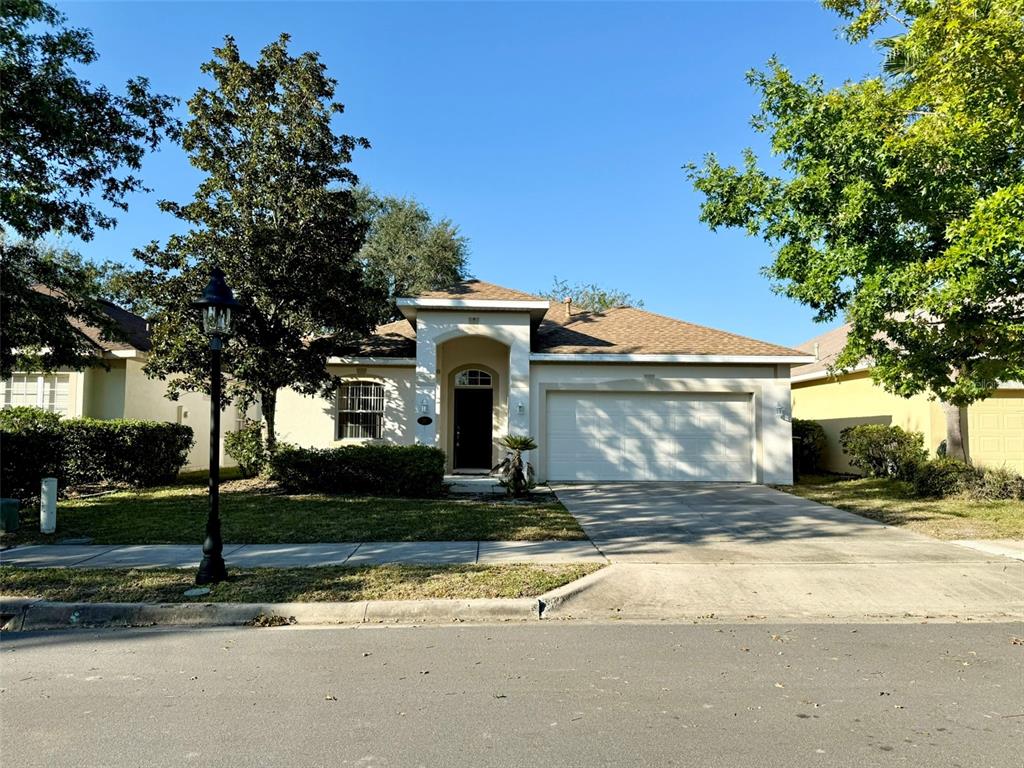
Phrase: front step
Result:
[474,485]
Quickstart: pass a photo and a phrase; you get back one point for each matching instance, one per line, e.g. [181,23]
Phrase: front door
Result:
[472,416]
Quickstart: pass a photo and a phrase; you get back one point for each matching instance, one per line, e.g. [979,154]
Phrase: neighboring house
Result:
[117,389]
[993,428]
[619,395]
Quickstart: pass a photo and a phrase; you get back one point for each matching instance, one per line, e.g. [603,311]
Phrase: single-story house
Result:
[993,428]
[118,389]
[623,394]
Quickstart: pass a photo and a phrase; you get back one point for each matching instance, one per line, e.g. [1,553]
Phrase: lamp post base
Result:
[212,570]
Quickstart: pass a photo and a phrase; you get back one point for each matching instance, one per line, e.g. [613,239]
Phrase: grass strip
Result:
[301,585]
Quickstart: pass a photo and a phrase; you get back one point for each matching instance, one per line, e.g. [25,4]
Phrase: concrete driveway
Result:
[692,549]
[722,523]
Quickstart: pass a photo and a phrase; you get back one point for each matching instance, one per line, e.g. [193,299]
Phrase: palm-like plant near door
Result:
[516,475]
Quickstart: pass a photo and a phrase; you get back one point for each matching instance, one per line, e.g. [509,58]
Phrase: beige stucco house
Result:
[993,428]
[623,394]
[117,389]
[619,395]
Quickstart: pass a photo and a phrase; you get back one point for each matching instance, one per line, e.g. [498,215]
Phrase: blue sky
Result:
[552,134]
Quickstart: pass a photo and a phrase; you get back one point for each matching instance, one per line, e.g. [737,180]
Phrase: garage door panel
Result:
[996,431]
[648,436]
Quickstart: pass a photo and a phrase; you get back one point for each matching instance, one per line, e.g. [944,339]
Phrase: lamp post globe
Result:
[218,309]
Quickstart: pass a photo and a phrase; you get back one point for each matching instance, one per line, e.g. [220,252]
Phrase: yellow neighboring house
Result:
[119,389]
[993,428]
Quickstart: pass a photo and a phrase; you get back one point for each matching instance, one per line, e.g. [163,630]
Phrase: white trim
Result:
[536,309]
[508,304]
[827,374]
[124,353]
[610,358]
[817,375]
[409,362]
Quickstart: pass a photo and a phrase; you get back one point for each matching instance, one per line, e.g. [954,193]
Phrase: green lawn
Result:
[253,512]
[302,585]
[891,502]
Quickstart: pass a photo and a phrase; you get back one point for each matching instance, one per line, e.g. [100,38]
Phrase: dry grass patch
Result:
[892,502]
[285,585]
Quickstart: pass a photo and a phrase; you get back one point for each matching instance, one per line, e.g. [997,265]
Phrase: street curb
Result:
[25,614]
[560,595]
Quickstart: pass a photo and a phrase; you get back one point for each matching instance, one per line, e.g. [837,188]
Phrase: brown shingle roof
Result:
[479,290]
[829,344]
[628,330]
[133,329]
[397,339]
[618,331]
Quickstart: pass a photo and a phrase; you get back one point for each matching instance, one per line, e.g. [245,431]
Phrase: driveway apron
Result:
[720,523]
[694,550]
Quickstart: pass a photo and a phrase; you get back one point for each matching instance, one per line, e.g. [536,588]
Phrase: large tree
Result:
[56,293]
[276,212]
[70,152]
[406,250]
[900,205]
[590,297]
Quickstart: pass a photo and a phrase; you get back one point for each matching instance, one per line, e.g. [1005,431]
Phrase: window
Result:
[361,410]
[473,378]
[51,393]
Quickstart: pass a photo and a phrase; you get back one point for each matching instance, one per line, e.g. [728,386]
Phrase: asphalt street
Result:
[517,695]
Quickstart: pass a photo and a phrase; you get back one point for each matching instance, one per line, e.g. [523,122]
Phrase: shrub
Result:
[31,446]
[379,470]
[87,451]
[27,417]
[247,448]
[944,477]
[810,446]
[139,453]
[884,451]
[994,483]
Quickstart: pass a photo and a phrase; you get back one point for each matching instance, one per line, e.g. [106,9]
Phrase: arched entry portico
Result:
[473,379]
[447,340]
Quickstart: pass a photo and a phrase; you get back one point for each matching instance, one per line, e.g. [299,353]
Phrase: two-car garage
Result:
[654,436]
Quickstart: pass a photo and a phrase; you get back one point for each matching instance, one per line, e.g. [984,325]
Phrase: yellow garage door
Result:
[995,430]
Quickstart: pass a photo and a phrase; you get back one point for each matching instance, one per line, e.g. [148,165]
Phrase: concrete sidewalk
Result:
[302,555]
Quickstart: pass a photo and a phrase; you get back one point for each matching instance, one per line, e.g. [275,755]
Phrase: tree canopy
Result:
[63,141]
[276,212]
[590,297]
[406,251]
[42,333]
[70,152]
[900,205]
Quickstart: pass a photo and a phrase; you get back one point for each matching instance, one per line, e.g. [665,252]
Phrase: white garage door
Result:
[649,436]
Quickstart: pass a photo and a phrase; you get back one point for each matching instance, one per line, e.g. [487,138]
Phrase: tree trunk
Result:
[955,447]
[268,403]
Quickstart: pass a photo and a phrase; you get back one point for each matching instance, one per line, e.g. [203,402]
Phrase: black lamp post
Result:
[216,307]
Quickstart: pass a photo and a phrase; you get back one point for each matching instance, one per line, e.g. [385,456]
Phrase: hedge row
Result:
[38,444]
[885,451]
[378,470]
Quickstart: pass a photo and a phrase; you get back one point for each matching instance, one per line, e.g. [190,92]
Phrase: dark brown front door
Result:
[472,416]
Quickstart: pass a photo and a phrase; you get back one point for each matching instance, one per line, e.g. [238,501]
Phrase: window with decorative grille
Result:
[361,410]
